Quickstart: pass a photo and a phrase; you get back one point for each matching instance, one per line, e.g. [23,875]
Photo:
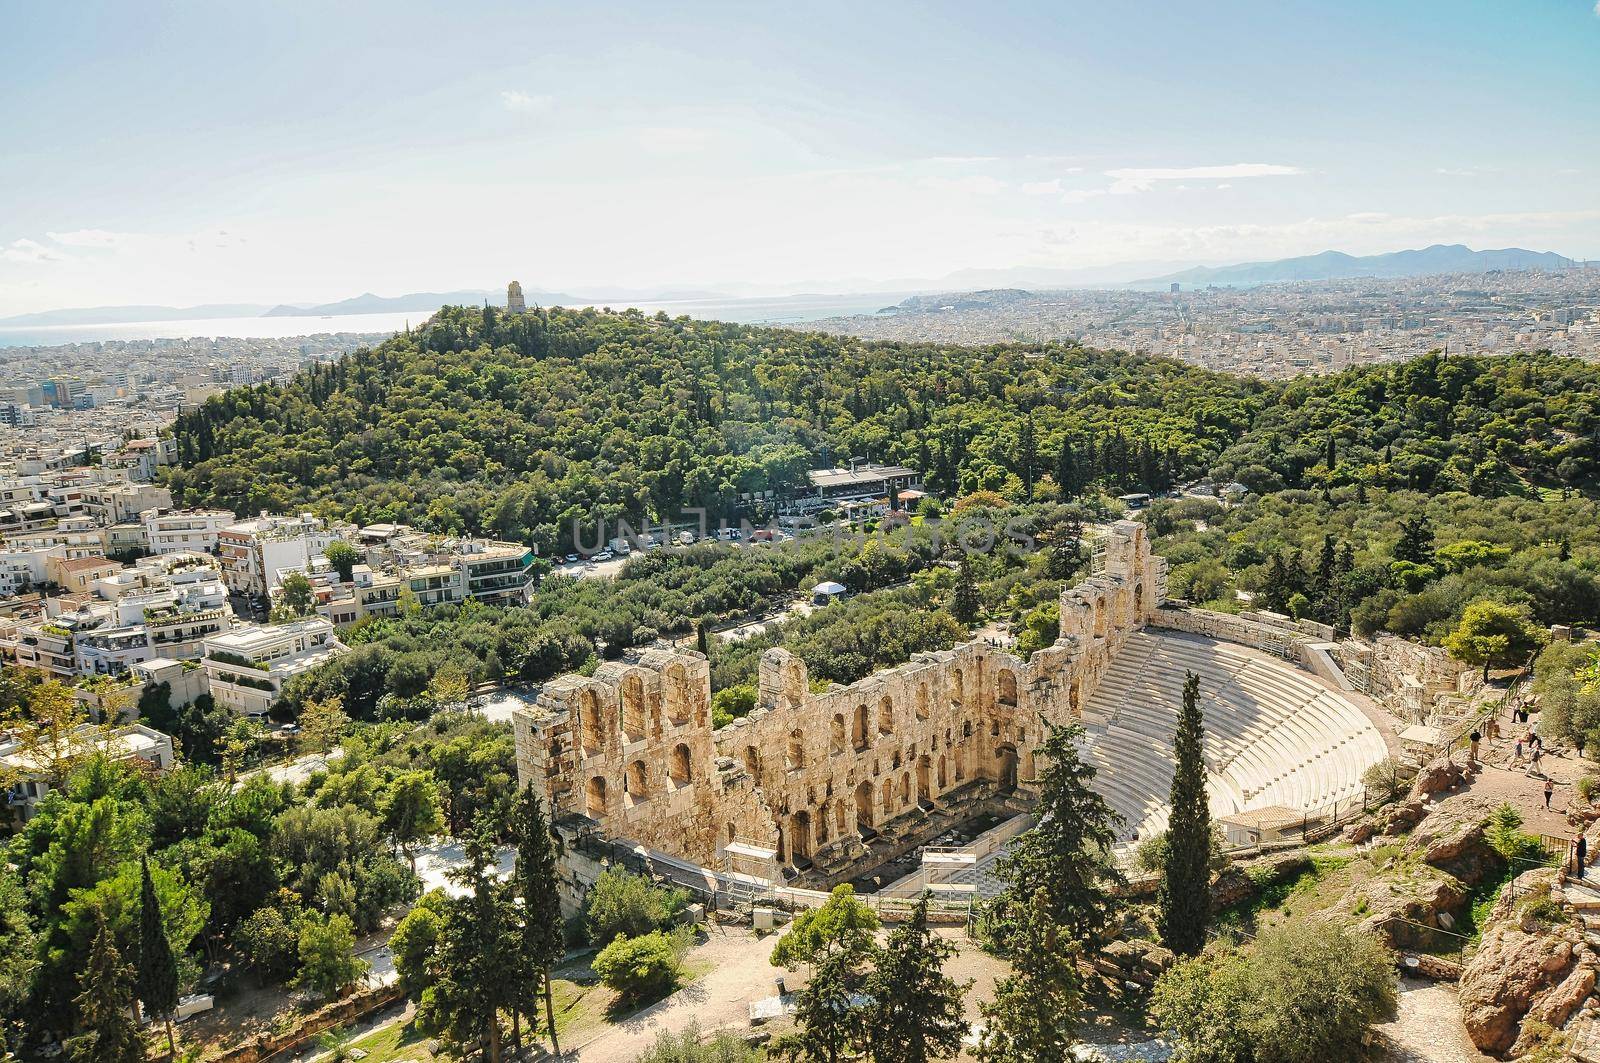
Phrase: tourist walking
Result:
[1583,853]
[1472,755]
[1549,791]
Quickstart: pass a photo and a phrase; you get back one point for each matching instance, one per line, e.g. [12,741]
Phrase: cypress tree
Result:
[156,979]
[702,641]
[107,1032]
[916,1013]
[1185,891]
[1067,471]
[1027,456]
[534,878]
[965,604]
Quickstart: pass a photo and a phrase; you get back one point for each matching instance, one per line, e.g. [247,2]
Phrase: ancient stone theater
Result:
[818,786]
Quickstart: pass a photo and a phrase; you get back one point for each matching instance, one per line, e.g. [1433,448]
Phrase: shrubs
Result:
[627,905]
[644,967]
[1505,835]
[1587,786]
[1388,778]
[687,1047]
[1306,992]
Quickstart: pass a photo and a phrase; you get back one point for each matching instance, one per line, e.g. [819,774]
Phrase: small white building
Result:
[248,667]
[30,783]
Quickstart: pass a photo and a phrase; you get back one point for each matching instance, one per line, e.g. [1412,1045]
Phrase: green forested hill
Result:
[517,426]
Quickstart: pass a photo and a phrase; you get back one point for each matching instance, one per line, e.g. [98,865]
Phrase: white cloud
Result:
[514,100]
[673,139]
[1051,187]
[1143,179]
[90,238]
[29,251]
[976,185]
[1597,8]
[1454,171]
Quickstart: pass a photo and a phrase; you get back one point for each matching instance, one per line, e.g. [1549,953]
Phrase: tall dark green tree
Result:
[1067,856]
[1416,540]
[107,1032]
[472,988]
[156,977]
[965,604]
[540,942]
[915,1015]
[830,1021]
[1027,456]
[1184,896]
[1034,1014]
[1068,476]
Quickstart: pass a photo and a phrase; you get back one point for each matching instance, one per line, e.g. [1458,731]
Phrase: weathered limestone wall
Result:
[808,776]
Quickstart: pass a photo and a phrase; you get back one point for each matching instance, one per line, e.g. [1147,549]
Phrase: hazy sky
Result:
[184,153]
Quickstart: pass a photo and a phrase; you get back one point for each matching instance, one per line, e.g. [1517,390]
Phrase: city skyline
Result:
[385,149]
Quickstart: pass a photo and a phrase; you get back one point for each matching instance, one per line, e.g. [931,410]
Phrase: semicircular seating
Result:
[1275,735]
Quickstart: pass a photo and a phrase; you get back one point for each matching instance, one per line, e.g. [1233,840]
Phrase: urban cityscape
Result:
[1010,533]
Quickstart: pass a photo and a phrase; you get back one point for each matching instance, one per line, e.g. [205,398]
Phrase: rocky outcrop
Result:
[1405,906]
[1239,882]
[1134,960]
[1532,965]
[1457,846]
[1439,777]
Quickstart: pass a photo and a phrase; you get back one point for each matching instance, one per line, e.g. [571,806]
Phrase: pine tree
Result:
[1280,583]
[1416,540]
[829,1018]
[156,978]
[1034,1013]
[472,988]
[107,1032]
[1185,892]
[1066,856]
[915,1015]
[540,944]
[965,603]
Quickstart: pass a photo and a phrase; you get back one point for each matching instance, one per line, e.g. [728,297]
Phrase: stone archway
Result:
[594,800]
[864,812]
[1005,756]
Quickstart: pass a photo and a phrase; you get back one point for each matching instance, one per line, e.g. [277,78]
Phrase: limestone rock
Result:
[1360,833]
[1441,775]
[1518,974]
[1404,909]
[1397,819]
[1457,846]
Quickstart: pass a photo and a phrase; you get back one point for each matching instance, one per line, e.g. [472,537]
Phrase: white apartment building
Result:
[184,531]
[113,503]
[21,570]
[248,667]
[253,552]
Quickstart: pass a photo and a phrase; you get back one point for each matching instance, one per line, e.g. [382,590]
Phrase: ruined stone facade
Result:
[809,778]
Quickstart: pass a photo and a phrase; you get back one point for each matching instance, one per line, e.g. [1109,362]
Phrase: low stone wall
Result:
[1286,643]
[269,1046]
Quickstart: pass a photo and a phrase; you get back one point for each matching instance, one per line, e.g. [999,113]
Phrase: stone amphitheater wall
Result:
[808,775]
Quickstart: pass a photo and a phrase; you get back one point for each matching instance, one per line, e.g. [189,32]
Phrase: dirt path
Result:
[737,972]
[1428,1027]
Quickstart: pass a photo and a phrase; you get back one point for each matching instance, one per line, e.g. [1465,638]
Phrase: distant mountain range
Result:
[1336,265]
[110,315]
[1329,265]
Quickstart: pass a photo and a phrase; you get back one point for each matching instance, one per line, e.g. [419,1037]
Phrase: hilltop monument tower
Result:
[514,302]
